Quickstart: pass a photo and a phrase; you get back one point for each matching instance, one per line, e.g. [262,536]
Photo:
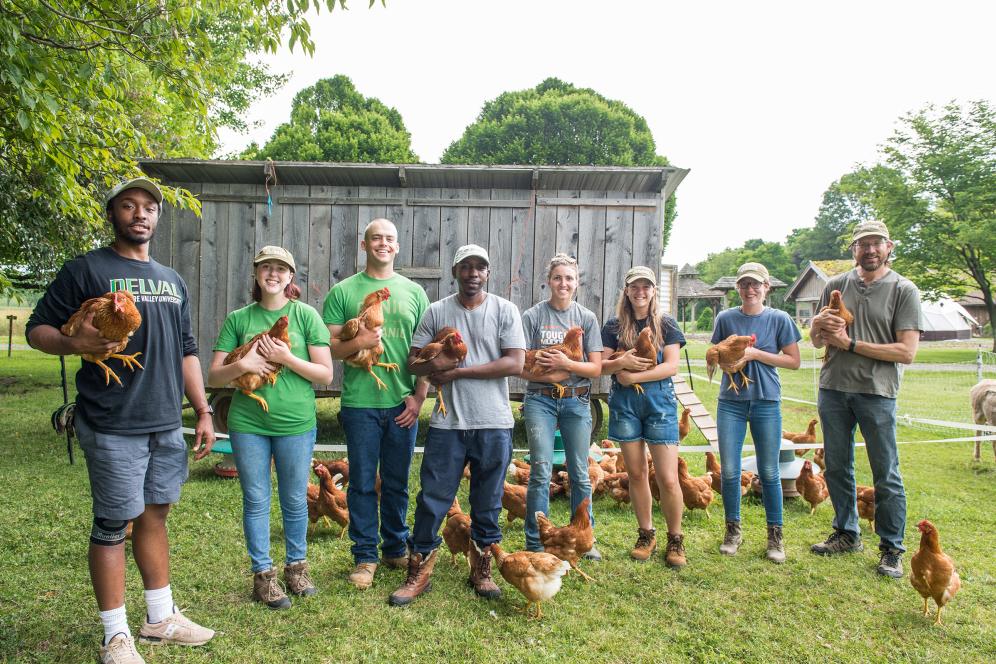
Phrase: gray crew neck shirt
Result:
[881,309]
[545,326]
[487,330]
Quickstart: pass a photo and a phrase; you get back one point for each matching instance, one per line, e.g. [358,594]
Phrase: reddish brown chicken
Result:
[712,465]
[513,499]
[932,571]
[836,306]
[535,574]
[806,438]
[448,343]
[456,532]
[695,491]
[337,467]
[644,348]
[818,458]
[685,423]
[331,500]
[571,347]
[250,382]
[728,355]
[115,315]
[813,488]
[571,541]
[866,504]
[371,317]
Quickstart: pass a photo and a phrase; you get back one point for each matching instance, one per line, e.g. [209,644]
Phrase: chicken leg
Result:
[108,374]
[129,360]
[389,366]
[260,400]
[440,401]
[638,388]
[574,566]
[380,383]
[560,390]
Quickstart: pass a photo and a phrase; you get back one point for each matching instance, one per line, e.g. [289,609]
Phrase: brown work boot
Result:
[646,544]
[674,555]
[419,579]
[480,572]
[362,575]
[776,545]
[401,562]
[266,589]
[297,578]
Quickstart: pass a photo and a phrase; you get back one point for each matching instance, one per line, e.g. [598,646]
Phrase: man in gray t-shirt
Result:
[477,427]
[858,386]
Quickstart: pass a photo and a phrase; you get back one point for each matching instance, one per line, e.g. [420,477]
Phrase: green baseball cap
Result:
[870,227]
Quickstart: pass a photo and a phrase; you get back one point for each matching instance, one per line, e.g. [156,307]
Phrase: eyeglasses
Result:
[865,246]
[751,285]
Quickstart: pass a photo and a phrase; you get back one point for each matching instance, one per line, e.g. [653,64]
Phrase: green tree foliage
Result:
[828,238]
[772,255]
[936,190]
[331,121]
[556,123]
[704,321]
[87,87]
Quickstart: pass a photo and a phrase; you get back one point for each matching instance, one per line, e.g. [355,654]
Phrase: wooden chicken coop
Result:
[610,218]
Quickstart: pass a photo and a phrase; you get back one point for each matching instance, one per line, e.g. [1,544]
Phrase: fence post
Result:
[978,365]
[10,335]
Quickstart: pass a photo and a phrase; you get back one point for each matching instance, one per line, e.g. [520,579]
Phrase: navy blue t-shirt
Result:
[672,335]
[148,400]
[774,330]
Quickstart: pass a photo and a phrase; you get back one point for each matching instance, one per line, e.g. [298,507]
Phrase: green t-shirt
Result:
[402,312]
[291,399]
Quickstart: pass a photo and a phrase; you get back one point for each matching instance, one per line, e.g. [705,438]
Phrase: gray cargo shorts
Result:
[128,472]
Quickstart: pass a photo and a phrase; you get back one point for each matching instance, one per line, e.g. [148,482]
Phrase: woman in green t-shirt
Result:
[285,433]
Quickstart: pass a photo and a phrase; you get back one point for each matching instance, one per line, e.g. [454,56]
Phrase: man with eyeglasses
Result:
[859,383]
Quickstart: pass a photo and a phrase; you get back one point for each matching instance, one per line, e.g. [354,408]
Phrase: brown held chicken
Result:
[836,306]
[644,348]
[115,315]
[571,541]
[448,343]
[456,532]
[695,491]
[813,488]
[250,382]
[571,347]
[535,574]
[932,571]
[371,317]
[806,438]
[728,355]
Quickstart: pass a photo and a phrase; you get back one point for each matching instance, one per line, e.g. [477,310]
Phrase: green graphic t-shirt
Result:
[291,399]
[402,312]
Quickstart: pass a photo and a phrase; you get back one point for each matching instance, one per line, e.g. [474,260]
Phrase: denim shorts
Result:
[651,416]
[128,472]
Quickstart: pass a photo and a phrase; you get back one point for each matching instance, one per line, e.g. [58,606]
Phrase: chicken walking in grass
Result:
[116,318]
[569,542]
[535,574]
[812,488]
[932,571]
[456,532]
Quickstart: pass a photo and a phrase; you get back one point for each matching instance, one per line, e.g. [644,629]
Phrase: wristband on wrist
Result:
[854,343]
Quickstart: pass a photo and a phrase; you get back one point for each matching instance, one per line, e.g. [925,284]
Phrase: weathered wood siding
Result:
[608,231]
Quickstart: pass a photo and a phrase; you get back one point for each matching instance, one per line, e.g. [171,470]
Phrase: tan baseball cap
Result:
[144,184]
[274,253]
[754,271]
[641,272]
[469,250]
[870,227]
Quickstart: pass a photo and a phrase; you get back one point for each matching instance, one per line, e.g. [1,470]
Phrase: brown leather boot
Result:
[419,579]
[674,556]
[646,544]
[266,590]
[297,578]
[480,572]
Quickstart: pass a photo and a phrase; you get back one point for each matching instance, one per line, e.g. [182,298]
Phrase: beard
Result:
[125,230]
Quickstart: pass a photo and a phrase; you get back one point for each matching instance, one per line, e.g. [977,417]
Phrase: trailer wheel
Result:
[221,402]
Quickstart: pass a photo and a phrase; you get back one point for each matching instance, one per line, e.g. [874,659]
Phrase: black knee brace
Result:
[108,532]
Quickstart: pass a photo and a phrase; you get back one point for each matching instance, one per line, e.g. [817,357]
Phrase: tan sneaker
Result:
[266,590]
[674,556]
[362,575]
[646,544]
[176,629]
[401,562]
[121,650]
[297,578]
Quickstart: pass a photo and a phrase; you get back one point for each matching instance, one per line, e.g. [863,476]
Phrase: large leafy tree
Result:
[828,238]
[936,190]
[331,121]
[772,255]
[87,87]
[556,123]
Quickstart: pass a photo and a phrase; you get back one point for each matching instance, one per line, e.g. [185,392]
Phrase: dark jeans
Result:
[447,451]
[372,439]
[840,414]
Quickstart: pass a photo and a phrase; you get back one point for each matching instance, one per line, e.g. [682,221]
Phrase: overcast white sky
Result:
[766,102]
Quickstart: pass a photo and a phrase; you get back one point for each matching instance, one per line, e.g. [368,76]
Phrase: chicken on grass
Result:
[535,574]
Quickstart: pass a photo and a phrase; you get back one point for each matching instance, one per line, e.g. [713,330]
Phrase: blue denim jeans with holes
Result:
[765,419]
[841,413]
[292,457]
[543,415]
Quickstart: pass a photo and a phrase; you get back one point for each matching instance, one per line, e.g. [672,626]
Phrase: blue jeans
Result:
[373,438]
[292,457]
[543,415]
[765,419]
[446,453]
[840,414]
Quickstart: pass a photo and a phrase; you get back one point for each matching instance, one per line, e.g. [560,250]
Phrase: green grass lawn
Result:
[717,609]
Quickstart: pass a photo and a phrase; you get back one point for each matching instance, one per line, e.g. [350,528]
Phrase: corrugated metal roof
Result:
[592,178]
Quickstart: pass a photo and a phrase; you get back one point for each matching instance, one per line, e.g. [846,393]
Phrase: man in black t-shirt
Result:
[131,433]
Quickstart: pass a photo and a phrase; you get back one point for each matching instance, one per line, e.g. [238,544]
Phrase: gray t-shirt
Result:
[487,330]
[545,326]
[881,309]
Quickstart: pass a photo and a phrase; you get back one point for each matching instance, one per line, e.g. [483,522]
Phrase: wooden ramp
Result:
[703,420]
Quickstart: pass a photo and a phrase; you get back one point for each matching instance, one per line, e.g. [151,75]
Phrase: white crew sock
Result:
[115,622]
[159,604]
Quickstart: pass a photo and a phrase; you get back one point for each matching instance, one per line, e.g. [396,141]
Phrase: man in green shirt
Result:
[380,424]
